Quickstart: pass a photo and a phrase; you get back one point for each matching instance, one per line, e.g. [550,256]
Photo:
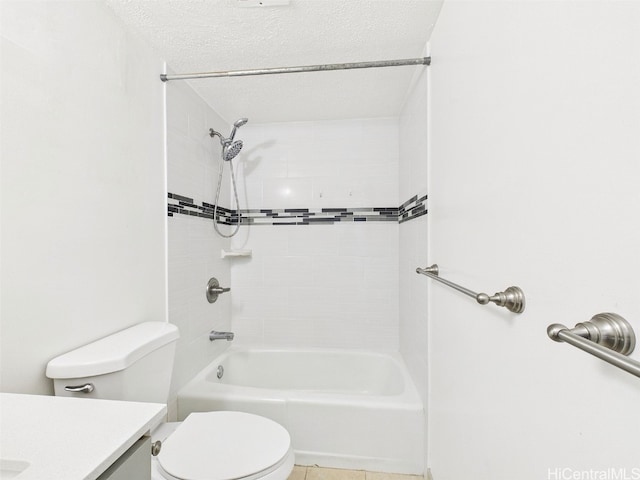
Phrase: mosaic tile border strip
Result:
[187,206]
[413,208]
[308,216]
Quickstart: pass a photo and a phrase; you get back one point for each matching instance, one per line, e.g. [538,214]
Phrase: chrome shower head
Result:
[237,124]
[230,151]
[230,148]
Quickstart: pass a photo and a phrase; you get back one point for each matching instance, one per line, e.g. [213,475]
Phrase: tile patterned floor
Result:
[319,473]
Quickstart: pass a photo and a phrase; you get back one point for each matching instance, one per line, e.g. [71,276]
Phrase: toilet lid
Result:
[223,446]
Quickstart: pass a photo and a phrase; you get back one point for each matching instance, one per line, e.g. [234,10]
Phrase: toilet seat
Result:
[225,446]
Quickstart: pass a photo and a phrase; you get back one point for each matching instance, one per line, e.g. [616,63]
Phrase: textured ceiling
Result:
[214,35]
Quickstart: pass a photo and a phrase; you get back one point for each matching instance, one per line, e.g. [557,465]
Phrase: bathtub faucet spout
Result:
[214,335]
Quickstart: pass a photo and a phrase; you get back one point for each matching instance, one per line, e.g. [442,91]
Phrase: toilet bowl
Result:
[135,364]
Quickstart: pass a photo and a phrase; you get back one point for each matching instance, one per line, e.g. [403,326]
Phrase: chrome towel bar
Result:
[607,336]
[512,298]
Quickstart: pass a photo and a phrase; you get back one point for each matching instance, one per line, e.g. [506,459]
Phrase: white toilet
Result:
[135,364]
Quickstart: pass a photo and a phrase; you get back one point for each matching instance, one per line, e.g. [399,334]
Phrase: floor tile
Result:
[298,473]
[318,473]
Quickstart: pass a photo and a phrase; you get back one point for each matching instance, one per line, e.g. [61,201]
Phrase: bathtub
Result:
[343,409]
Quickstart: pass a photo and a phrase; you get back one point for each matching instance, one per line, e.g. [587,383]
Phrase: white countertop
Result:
[69,438]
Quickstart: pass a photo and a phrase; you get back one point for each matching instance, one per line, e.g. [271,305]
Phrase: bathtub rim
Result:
[408,398]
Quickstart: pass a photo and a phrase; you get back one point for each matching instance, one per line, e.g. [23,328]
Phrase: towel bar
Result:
[512,298]
[607,336]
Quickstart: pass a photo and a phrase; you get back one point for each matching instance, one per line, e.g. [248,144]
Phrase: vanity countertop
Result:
[68,438]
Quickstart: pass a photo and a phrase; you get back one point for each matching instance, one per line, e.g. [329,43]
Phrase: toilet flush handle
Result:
[86,388]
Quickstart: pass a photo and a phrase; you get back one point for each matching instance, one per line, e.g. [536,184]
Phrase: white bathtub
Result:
[343,409]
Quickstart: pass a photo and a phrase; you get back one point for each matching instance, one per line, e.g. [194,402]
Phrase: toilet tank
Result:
[134,364]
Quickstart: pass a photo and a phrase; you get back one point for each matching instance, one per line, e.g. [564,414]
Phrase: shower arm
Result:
[223,141]
[512,298]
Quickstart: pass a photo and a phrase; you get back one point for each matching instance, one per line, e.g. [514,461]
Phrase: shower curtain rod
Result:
[309,68]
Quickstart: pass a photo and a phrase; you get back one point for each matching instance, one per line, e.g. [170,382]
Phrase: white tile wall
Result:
[193,245]
[346,163]
[413,249]
[318,285]
[286,192]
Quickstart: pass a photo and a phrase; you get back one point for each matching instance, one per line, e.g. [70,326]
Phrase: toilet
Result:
[135,364]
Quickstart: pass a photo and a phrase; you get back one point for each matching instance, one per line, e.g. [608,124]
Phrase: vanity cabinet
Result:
[135,463]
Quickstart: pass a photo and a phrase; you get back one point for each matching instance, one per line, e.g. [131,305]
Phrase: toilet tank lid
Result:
[113,353]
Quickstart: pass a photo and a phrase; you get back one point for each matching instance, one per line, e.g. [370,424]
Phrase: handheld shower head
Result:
[236,125]
[240,122]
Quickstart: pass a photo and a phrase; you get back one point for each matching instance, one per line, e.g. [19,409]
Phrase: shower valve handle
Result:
[219,290]
[214,289]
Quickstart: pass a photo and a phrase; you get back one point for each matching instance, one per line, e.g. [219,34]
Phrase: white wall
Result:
[194,246]
[318,285]
[534,182]
[414,305]
[83,184]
